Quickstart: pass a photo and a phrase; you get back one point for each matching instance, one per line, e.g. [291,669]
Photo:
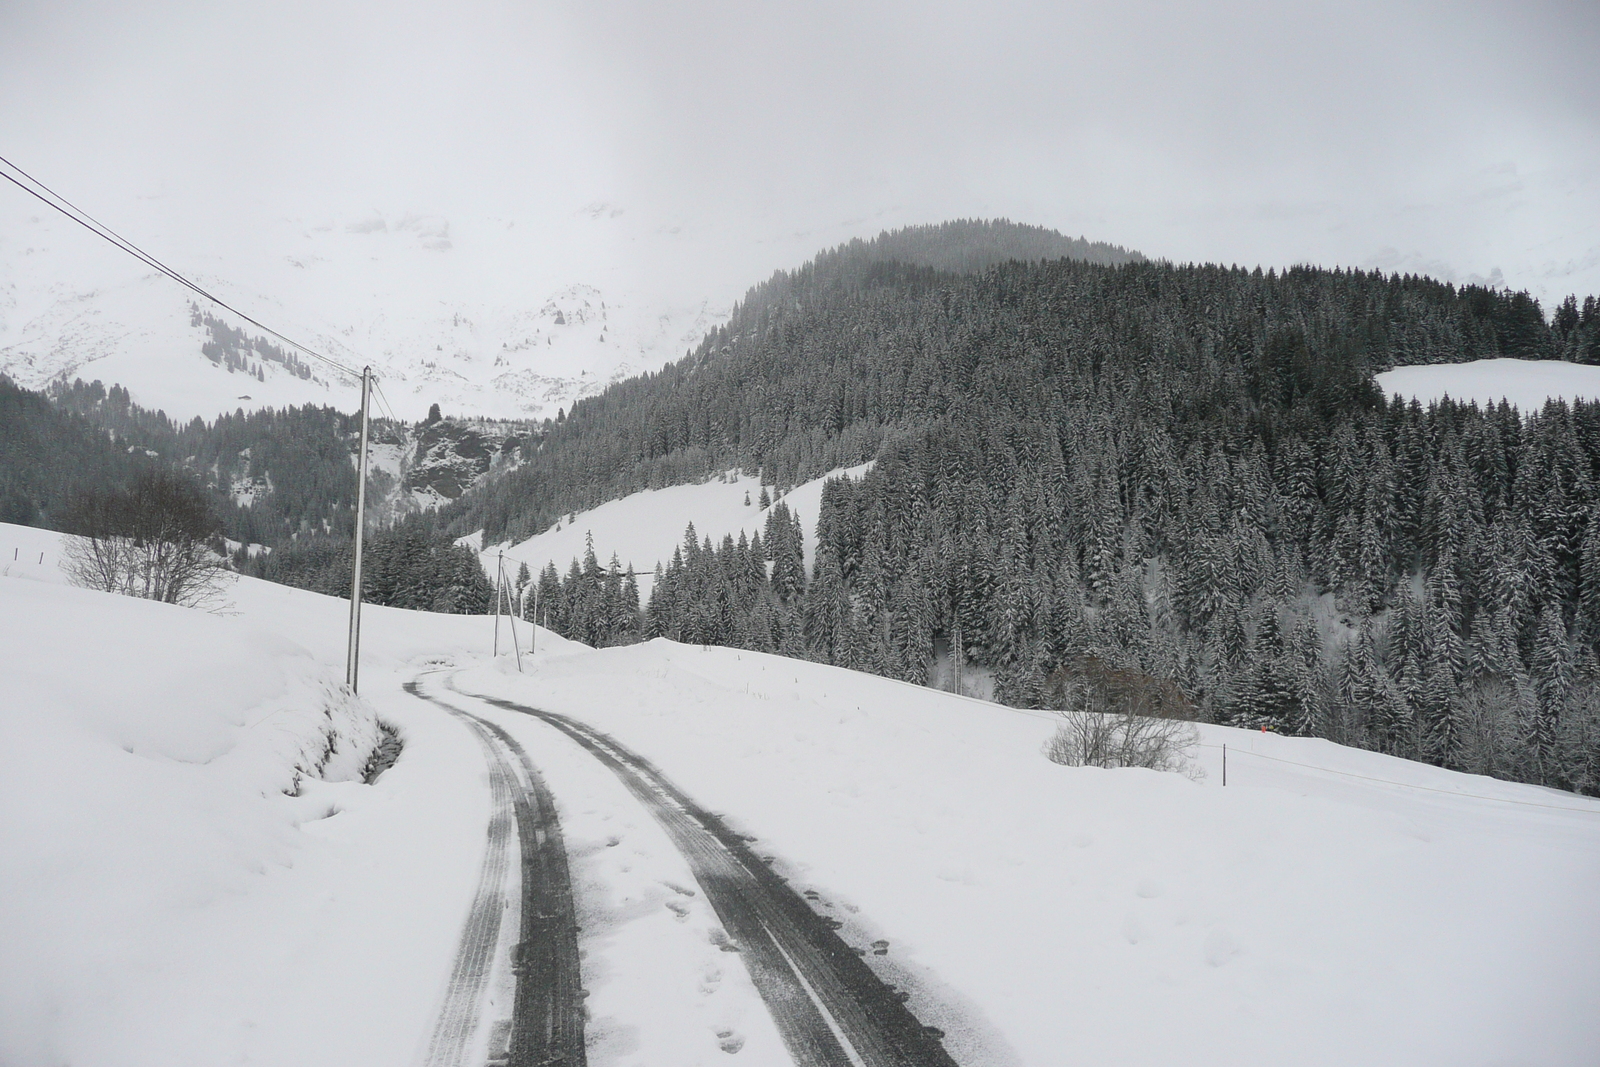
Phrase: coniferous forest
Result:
[1182,471]
[283,480]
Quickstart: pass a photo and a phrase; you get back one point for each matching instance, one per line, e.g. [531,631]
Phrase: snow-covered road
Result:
[829,1007]
[516,992]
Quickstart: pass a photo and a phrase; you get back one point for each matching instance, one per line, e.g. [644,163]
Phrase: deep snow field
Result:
[163,901]
[642,529]
[1526,383]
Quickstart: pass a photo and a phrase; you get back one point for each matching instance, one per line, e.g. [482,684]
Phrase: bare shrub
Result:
[149,540]
[1120,718]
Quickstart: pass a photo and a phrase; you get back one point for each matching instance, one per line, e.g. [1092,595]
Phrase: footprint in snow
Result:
[730,1041]
[1220,948]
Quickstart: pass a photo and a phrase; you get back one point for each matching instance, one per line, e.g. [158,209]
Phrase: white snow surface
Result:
[643,528]
[495,317]
[1525,383]
[170,905]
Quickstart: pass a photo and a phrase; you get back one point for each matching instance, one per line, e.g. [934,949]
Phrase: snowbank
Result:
[162,899]
[1526,383]
[148,750]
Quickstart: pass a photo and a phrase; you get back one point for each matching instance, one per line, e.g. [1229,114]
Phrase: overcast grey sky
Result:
[1456,138]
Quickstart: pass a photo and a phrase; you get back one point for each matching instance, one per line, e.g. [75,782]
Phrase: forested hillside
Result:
[1186,471]
[967,246]
[408,565]
[47,456]
[283,480]
[273,474]
[817,365]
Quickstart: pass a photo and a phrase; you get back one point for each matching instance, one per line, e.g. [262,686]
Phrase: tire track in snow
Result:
[547,1017]
[829,1007]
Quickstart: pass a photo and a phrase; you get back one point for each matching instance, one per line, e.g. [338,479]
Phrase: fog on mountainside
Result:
[967,246]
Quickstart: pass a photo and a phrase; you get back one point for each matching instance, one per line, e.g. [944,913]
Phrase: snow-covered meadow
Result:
[163,901]
[642,529]
[1525,383]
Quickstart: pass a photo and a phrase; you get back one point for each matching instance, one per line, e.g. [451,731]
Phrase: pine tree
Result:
[1552,667]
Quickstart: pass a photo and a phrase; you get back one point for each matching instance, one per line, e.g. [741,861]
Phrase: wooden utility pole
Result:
[499,575]
[502,594]
[352,659]
[511,613]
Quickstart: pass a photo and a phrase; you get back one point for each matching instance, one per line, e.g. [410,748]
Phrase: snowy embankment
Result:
[171,905]
[643,528]
[163,900]
[1526,383]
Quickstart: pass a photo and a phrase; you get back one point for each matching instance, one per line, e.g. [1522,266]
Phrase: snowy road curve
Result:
[829,1007]
[546,1021]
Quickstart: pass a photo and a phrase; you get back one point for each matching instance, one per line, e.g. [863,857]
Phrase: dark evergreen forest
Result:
[50,457]
[279,479]
[411,564]
[1183,471]
[294,465]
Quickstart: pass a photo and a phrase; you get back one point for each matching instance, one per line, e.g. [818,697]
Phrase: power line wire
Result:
[66,207]
[383,400]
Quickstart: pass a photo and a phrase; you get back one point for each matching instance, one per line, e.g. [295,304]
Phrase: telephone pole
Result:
[352,660]
[499,584]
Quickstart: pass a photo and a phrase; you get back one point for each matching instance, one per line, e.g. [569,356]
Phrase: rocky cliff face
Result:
[447,457]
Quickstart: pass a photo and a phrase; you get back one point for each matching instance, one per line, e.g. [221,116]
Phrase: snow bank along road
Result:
[829,1007]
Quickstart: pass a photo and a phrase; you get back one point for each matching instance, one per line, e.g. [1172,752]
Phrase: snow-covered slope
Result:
[162,901]
[643,528]
[1526,383]
[146,831]
[481,316]
[1328,906]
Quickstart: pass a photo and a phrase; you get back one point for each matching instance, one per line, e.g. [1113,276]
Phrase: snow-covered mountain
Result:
[431,462]
[483,316]
[486,316]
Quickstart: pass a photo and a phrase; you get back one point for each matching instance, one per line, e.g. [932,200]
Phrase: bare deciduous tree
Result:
[149,540]
[1120,718]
